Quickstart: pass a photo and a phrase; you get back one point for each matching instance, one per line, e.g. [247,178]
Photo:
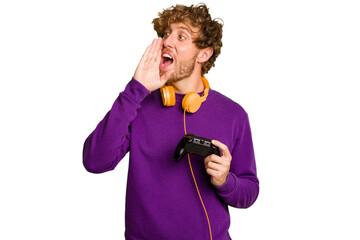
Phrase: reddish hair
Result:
[209,34]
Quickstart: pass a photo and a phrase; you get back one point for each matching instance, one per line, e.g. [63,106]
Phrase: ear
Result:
[205,54]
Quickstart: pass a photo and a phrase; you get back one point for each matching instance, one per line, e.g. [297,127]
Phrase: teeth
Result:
[167,56]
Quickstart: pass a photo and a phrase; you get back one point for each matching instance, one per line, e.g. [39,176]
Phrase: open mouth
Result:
[166,60]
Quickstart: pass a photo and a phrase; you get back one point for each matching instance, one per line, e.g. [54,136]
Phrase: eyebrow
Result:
[182,27]
[185,28]
[191,33]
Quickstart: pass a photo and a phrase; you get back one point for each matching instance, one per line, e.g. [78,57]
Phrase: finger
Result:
[224,149]
[214,166]
[146,53]
[209,158]
[158,50]
[213,158]
[152,51]
[218,160]
[212,172]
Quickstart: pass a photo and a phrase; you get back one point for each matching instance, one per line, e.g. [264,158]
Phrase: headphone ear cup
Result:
[168,96]
[191,102]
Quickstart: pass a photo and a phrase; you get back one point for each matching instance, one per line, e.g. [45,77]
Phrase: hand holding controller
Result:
[195,145]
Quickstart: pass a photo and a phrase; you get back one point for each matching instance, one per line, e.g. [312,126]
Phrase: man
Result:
[162,199]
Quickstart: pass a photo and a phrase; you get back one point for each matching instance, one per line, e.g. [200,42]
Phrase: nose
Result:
[169,41]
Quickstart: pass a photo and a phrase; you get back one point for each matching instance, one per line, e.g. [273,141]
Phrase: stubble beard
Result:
[185,69]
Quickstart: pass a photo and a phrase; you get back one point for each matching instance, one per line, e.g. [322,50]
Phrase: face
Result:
[179,52]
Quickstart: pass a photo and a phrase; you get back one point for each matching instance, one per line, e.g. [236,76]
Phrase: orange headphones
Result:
[190,103]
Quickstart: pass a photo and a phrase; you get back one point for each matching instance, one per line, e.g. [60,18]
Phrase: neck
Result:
[192,83]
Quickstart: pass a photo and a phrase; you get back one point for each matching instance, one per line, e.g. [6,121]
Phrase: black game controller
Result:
[195,145]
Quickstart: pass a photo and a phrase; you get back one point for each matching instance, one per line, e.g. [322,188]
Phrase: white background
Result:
[293,65]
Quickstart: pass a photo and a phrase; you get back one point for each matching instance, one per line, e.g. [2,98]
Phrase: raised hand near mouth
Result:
[147,71]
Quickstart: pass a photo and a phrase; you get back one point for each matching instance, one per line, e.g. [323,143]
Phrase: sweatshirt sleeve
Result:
[242,185]
[110,141]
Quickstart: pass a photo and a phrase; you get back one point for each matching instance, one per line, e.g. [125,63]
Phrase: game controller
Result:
[195,145]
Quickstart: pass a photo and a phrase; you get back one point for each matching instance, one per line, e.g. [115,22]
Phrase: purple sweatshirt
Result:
[161,198]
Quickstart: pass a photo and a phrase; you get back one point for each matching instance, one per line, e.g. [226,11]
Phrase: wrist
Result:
[136,91]
[228,186]
[142,83]
[220,182]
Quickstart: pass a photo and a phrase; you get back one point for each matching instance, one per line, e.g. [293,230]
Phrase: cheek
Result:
[185,53]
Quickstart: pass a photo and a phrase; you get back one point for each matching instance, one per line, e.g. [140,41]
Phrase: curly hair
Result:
[209,34]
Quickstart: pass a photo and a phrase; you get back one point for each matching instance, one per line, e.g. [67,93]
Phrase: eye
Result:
[181,37]
[166,34]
